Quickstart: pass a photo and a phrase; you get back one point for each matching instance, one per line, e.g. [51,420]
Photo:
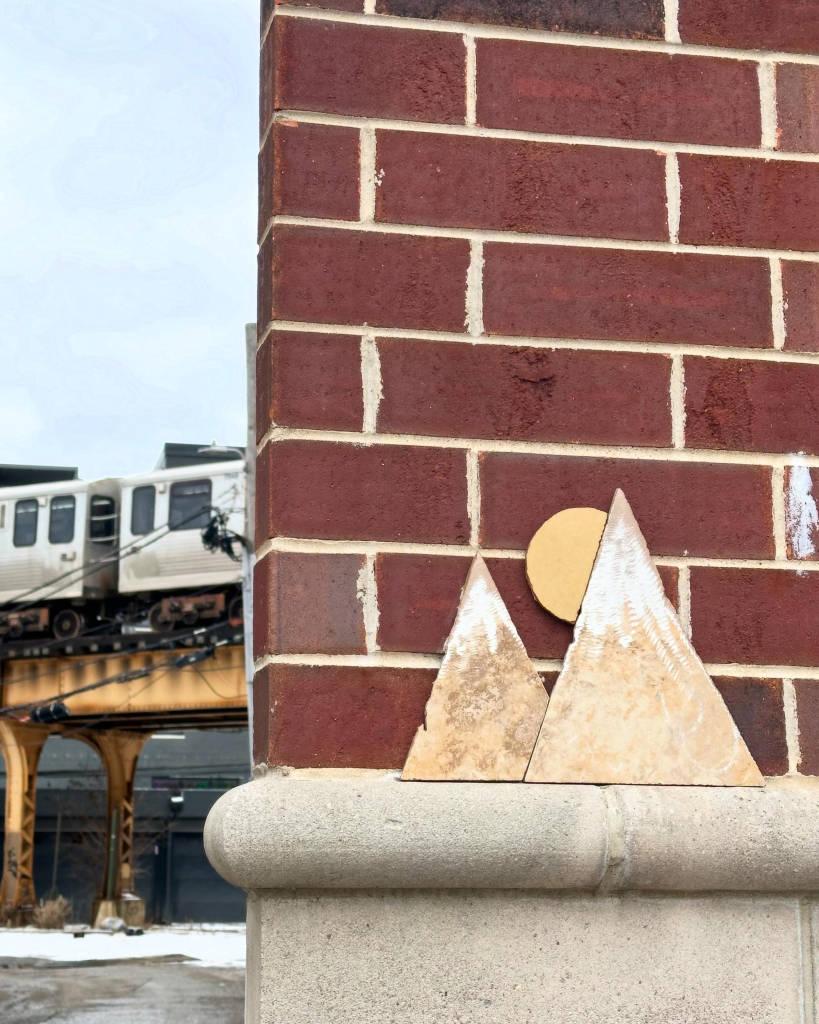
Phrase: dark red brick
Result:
[261,716]
[309,170]
[309,380]
[800,284]
[418,597]
[573,90]
[511,185]
[755,616]
[763,204]
[307,604]
[354,6]
[534,394]
[575,292]
[641,19]
[801,525]
[362,492]
[692,508]
[797,107]
[807,715]
[334,717]
[369,71]
[757,707]
[791,25]
[351,277]
[267,84]
[751,405]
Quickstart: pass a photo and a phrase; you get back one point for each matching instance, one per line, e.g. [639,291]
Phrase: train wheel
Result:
[155,620]
[67,624]
[235,616]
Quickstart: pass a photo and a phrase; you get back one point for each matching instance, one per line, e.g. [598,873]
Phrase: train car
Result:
[156,552]
[163,562]
[58,555]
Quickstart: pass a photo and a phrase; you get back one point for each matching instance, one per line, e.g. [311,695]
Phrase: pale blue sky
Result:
[127,227]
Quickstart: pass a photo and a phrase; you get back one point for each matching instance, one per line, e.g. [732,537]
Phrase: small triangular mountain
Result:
[634,704]
[483,715]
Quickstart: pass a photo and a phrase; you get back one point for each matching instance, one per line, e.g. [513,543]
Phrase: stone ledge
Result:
[280,833]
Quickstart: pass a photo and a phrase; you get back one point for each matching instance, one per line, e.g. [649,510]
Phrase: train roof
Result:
[179,456]
[22,476]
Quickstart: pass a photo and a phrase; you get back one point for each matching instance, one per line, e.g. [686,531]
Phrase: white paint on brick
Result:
[801,514]
[519,238]
[367,181]
[791,726]
[545,36]
[777,305]
[367,594]
[473,496]
[677,402]
[588,344]
[536,447]
[474,289]
[684,594]
[371,383]
[673,196]
[766,72]
[672,21]
[778,511]
[472,131]
[471,78]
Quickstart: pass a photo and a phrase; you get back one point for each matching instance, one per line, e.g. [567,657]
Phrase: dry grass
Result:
[52,913]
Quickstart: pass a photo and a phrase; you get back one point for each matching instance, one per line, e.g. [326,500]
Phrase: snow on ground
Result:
[215,945]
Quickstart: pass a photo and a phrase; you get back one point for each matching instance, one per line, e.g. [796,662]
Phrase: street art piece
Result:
[487,703]
[560,558]
[634,703]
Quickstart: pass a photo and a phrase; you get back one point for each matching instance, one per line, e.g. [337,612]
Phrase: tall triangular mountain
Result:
[486,706]
[634,704]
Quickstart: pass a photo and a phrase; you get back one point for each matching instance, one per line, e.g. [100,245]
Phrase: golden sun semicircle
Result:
[560,558]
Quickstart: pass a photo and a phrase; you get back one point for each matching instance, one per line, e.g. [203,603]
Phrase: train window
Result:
[25,523]
[190,505]
[61,519]
[142,510]
[102,523]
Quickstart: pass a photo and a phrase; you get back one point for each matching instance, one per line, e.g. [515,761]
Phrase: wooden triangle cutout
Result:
[634,704]
[487,704]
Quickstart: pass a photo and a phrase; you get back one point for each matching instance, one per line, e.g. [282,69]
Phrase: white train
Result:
[78,555]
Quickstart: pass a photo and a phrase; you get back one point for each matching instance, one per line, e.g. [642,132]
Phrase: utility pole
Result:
[248,550]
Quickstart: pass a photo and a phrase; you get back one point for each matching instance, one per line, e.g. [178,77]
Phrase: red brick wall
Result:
[515,254]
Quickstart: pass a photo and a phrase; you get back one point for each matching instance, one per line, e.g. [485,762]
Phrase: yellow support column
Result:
[21,746]
[119,752]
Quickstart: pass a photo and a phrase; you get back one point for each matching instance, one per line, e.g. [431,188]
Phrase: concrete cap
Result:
[285,833]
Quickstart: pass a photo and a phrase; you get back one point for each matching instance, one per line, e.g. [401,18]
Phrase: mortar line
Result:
[471,79]
[367,174]
[367,595]
[263,236]
[766,74]
[371,383]
[673,196]
[545,36]
[778,512]
[369,6]
[587,344]
[473,496]
[791,726]
[672,21]
[362,547]
[520,238]
[643,454]
[684,597]
[404,659]
[473,321]
[677,386]
[615,842]
[777,305]
[518,135]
